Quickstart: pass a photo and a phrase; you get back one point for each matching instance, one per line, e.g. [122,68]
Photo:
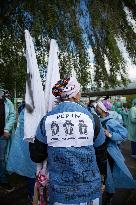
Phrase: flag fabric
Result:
[34,97]
[53,75]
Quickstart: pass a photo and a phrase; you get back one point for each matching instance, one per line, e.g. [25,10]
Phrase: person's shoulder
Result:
[69,107]
[133,109]
[115,124]
[82,108]
[8,102]
[109,120]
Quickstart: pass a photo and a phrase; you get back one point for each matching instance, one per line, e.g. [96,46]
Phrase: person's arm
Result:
[38,149]
[11,118]
[115,131]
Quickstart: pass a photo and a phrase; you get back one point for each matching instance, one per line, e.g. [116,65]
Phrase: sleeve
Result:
[11,117]
[40,132]
[118,132]
[133,115]
[38,151]
[100,138]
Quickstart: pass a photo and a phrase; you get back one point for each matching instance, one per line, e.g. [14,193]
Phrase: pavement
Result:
[121,197]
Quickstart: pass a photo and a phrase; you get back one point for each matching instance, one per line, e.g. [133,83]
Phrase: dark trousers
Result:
[3,150]
[133,148]
[31,183]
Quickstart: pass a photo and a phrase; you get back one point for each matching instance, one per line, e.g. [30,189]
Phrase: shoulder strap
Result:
[97,125]
[104,122]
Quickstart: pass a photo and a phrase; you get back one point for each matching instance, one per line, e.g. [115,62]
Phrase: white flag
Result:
[53,75]
[34,98]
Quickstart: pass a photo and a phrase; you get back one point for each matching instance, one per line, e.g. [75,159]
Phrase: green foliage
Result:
[130,98]
[109,23]
[61,20]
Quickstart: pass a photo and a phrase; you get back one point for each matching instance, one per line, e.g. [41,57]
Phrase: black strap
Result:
[97,125]
[104,122]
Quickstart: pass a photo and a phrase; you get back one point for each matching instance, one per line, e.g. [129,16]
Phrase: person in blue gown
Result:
[19,157]
[118,175]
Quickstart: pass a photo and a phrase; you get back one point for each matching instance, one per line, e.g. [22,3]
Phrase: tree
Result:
[77,26]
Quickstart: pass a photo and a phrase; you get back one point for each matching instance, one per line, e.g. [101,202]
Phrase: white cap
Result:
[101,106]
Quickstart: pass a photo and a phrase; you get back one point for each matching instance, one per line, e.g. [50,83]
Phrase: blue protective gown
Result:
[19,157]
[120,177]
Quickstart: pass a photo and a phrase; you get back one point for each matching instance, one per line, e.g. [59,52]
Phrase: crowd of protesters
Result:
[80,145]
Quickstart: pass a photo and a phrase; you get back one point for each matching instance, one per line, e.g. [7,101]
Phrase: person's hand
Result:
[6,134]
[103,188]
[107,133]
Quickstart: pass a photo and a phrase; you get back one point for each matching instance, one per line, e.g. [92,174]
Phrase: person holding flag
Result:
[34,112]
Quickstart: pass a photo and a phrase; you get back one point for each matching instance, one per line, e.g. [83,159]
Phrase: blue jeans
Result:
[3,150]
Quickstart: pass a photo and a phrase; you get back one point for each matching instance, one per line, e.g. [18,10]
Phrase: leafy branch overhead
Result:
[78,26]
